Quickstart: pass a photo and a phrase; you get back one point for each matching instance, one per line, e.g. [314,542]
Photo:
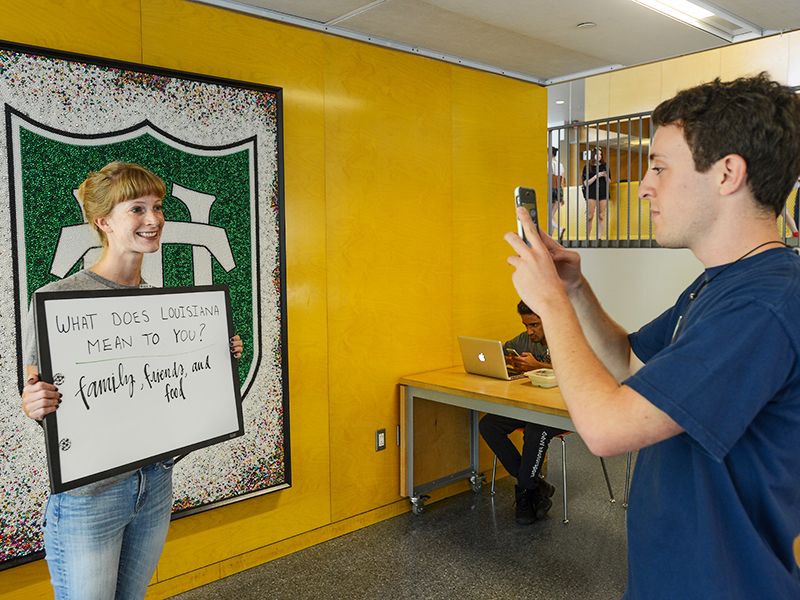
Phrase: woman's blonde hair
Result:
[117,182]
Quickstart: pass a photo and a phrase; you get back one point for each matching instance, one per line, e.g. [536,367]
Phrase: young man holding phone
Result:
[710,389]
[525,352]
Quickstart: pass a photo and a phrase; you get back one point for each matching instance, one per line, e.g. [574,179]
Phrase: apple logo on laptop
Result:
[482,357]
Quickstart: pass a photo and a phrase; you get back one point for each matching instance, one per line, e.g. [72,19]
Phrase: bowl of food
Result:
[544,378]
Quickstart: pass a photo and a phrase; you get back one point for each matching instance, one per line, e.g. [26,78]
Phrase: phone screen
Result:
[526,197]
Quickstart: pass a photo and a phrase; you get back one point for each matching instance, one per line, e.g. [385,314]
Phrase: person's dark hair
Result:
[754,117]
[523,309]
[553,150]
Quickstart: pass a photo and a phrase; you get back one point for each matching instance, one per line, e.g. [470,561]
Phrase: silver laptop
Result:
[485,357]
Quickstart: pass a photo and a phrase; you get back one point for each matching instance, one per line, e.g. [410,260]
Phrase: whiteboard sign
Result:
[145,375]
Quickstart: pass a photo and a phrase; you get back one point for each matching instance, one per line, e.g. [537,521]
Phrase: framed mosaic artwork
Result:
[217,144]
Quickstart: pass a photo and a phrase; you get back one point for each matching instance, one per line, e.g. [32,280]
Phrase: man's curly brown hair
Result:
[754,117]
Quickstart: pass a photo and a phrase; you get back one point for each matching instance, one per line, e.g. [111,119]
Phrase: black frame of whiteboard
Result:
[50,422]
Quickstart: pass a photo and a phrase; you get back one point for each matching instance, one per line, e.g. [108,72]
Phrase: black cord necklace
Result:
[693,295]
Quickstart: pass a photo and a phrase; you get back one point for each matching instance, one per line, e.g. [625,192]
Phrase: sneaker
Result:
[524,508]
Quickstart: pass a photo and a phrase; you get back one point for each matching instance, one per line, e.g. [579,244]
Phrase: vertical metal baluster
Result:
[638,199]
[549,196]
[589,161]
[559,195]
[641,175]
[782,223]
[628,147]
[619,172]
[583,174]
[568,134]
[597,205]
[607,157]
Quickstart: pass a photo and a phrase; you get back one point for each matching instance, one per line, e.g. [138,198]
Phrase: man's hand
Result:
[545,270]
[39,398]
[527,362]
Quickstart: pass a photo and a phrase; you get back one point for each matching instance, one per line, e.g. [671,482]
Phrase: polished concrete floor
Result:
[465,547]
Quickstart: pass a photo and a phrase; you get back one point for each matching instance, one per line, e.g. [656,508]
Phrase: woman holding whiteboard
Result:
[103,540]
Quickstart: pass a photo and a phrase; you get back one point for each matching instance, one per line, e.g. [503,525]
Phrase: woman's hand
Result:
[237,347]
[39,398]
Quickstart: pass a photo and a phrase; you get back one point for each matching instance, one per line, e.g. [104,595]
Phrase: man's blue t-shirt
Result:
[713,511]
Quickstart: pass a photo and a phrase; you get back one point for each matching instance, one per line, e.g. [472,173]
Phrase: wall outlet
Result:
[380,440]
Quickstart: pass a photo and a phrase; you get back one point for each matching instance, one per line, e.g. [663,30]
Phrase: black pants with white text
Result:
[536,438]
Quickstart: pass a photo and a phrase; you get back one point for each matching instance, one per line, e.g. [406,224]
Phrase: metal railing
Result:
[600,164]
[575,207]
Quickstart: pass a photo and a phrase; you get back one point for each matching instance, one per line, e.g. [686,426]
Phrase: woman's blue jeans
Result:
[107,546]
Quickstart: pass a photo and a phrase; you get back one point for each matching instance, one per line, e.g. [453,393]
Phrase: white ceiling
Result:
[536,40]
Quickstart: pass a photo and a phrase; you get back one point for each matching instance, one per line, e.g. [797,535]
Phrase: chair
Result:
[564,475]
[627,480]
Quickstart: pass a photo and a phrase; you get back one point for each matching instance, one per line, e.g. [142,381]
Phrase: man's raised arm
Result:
[607,338]
[611,418]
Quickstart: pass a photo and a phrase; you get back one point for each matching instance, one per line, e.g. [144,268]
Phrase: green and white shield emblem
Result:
[211,231]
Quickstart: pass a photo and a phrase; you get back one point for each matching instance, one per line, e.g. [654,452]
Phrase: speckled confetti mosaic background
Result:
[65,107]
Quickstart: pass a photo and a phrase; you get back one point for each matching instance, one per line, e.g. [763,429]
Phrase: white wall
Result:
[637,284]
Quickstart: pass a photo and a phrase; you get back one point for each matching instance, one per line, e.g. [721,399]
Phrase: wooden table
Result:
[518,399]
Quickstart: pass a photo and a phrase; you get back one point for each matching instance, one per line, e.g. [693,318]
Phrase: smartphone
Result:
[526,197]
[512,352]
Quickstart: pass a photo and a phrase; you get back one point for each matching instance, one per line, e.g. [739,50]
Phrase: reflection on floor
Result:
[466,547]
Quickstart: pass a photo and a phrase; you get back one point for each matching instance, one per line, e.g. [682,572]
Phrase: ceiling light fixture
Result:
[698,13]
[679,9]
[560,101]
[689,13]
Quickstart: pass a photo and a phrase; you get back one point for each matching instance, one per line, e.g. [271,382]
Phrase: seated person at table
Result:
[532,491]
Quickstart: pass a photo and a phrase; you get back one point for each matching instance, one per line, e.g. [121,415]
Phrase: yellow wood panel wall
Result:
[641,88]
[498,145]
[389,207]
[85,26]
[597,91]
[750,58]
[686,71]
[399,172]
[628,94]
[793,72]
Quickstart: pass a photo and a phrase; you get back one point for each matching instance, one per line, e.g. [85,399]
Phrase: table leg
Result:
[476,479]
[408,399]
